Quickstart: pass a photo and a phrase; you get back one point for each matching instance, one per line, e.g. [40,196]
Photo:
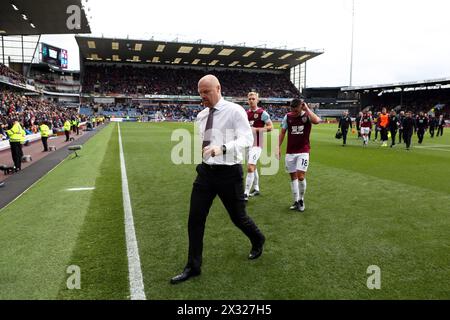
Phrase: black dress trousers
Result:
[227,183]
[17,154]
[344,135]
[44,143]
[407,135]
[420,135]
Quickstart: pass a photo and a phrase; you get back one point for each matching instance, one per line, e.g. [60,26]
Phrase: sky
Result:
[394,40]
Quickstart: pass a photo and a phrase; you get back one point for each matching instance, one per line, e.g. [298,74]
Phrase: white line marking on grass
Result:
[432,148]
[81,189]
[134,262]
[435,146]
[32,185]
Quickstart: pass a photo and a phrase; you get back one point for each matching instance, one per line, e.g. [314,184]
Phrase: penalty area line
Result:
[134,262]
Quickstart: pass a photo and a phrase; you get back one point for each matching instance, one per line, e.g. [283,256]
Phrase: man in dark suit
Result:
[421,126]
[357,122]
[225,132]
[393,126]
[409,126]
[440,126]
[344,124]
[432,122]
[400,126]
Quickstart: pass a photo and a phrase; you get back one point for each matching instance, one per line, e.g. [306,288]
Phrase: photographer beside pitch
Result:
[297,124]
[220,173]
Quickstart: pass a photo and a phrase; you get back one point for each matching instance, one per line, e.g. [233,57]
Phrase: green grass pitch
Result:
[365,206]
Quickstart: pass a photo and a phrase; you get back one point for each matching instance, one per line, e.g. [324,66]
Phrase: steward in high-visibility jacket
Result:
[78,124]
[73,123]
[67,125]
[67,129]
[16,137]
[16,133]
[45,132]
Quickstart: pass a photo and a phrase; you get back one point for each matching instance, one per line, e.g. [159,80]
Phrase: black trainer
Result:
[301,206]
[254,193]
[294,206]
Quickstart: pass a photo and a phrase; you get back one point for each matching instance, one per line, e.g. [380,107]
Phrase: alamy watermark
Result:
[374,280]
[188,149]
[74,19]
[74,279]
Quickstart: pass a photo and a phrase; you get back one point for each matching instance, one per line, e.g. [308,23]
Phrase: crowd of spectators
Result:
[189,112]
[113,79]
[30,112]
[12,75]
[170,112]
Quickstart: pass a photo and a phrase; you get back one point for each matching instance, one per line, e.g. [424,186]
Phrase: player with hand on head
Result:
[297,124]
[260,122]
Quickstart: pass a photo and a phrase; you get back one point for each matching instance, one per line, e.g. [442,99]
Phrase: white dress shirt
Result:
[230,128]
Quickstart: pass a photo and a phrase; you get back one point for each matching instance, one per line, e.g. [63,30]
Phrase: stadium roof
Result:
[402,85]
[190,54]
[33,17]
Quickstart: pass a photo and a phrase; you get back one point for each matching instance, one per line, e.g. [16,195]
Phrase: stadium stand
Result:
[54,80]
[148,80]
[31,110]
[415,101]
[429,96]
[115,79]
[11,74]
[170,112]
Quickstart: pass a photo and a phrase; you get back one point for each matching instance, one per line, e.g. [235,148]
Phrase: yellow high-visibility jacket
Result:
[16,133]
[67,125]
[45,130]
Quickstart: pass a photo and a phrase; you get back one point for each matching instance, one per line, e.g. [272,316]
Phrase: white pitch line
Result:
[134,262]
[435,146]
[81,189]
[431,148]
[35,183]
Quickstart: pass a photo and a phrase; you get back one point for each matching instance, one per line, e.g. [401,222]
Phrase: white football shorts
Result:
[297,162]
[254,154]
[365,130]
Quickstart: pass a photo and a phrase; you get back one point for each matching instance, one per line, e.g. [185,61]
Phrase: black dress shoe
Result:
[185,275]
[257,250]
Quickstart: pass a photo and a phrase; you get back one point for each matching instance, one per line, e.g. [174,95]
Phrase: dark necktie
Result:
[209,123]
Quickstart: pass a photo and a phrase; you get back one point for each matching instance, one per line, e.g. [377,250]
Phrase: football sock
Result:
[256,181]
[302,188]
[294,189]
[249,182]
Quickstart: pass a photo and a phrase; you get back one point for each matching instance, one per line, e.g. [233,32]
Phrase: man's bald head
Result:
[210,80]
[209,90]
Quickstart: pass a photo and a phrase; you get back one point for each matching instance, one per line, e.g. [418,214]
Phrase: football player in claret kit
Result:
[366,126]
[298,125]
[260,122]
